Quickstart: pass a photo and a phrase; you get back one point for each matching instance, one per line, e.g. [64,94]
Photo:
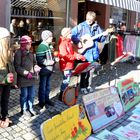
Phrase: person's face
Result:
[69,35]
[90,19]
[28,46]
[49,40]
[123,28]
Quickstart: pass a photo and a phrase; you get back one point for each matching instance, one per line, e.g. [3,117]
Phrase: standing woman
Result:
[6,78]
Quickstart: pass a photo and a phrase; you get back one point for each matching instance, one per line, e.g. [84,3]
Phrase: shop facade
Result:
[55,14]
[115,9]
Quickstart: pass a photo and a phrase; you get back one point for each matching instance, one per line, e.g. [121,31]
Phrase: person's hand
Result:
[37,68]
[29,76]
[80,45]
[80,57]
[51,62]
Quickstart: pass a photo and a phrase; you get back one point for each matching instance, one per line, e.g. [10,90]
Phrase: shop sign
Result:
[103,107]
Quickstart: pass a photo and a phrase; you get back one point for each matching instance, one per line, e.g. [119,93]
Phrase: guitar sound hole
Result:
[84,41]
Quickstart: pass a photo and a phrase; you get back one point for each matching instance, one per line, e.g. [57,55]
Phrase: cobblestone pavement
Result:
[28,128]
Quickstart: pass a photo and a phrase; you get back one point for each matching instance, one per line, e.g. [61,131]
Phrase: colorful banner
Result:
[103,107]
[71,124]
[129,93]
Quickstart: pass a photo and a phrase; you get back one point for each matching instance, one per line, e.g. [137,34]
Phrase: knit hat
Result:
[65,32]
[25,40]
[46,34]
[4,32]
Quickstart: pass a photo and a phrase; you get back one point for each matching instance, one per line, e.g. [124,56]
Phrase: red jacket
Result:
[66,54]
[119,45]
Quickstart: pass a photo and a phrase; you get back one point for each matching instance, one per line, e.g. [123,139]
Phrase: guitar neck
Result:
[96,36]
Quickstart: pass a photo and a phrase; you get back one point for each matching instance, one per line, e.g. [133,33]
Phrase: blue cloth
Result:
[83,28]
[27,97]
[66,79]
[44,88]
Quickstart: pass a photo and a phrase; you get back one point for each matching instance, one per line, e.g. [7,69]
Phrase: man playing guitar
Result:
[91,28]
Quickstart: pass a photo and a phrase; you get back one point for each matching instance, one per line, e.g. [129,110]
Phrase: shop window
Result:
[31,17]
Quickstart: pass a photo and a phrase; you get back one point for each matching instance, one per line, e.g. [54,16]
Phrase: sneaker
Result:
[84,91]
[49,102]
[40,107]
[32,112]
[90,89]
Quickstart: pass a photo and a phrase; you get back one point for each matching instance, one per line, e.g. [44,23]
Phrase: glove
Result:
[9,78]
[29,76]
[37,68]
[80,57]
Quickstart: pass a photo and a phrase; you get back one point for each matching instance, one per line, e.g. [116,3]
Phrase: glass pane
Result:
[31,17]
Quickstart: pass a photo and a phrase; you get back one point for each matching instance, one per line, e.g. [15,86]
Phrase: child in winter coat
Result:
[6,77]
[67,56]
[26,68]
[45,60]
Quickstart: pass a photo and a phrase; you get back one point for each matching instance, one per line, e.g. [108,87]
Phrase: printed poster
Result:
[129,93]
[107,135]
[92,138]
[135,117]
[71,124]
[136,111]
[103,107]
[127,133]
[134,126]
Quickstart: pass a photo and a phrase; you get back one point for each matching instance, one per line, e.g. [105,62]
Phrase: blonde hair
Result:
[91,13]
[5,52]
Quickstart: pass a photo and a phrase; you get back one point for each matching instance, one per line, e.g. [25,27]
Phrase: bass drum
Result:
[70,95]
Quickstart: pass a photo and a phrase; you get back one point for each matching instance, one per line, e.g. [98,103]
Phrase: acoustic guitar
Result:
[87,40]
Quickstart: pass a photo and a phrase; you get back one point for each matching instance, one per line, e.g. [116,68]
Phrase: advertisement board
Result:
[103,107]
[71,124]
[129,93]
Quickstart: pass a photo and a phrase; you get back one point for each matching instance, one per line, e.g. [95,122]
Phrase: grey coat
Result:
[24,61]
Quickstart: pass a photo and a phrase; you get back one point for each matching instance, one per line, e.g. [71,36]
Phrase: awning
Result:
[132,5]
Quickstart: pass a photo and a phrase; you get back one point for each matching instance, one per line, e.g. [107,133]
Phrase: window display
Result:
[31,17]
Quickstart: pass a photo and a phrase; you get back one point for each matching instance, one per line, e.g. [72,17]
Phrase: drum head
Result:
[70,95]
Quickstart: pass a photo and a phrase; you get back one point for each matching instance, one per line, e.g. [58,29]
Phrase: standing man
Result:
[91,28]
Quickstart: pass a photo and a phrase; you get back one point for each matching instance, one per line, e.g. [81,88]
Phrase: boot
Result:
[60,96]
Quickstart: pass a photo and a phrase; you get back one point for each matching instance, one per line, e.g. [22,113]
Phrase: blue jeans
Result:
[66,79]
[27,97]
[44,88]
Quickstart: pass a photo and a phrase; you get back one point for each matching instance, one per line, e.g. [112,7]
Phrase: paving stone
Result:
[8,129]
[18,129]
[16,135]
[1,137]
[23,132]
[10,138]
[2,130]
[5,134]
[19,138]
[28,136]
[120,120]
[30,127]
